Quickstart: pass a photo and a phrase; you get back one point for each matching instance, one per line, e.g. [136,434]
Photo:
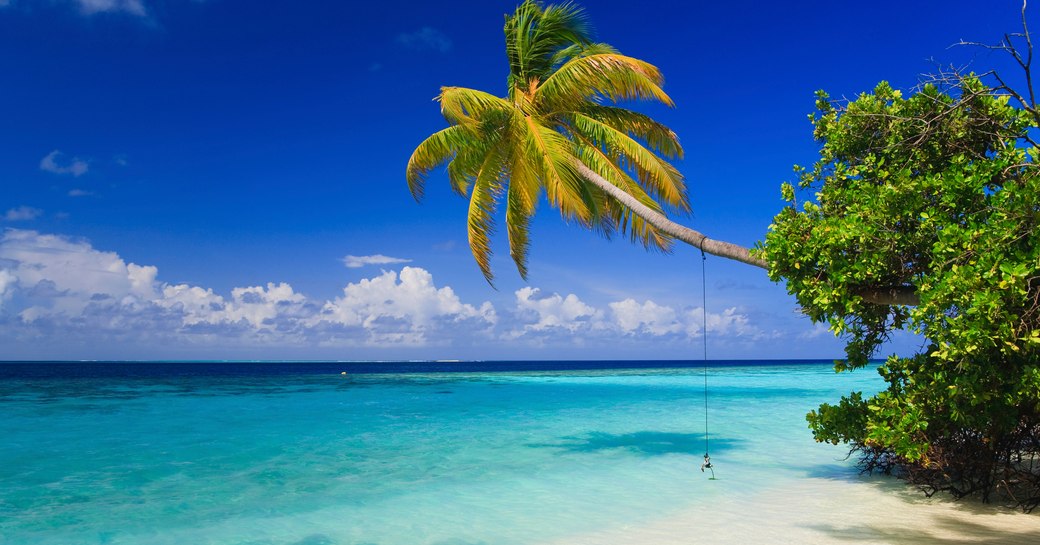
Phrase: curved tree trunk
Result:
[893,295]
[665,225]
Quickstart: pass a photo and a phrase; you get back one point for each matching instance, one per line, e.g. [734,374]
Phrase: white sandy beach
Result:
[872,511]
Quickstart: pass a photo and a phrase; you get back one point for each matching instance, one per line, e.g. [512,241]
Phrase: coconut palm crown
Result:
[558,126]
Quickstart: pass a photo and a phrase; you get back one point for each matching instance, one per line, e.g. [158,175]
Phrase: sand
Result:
[828,511]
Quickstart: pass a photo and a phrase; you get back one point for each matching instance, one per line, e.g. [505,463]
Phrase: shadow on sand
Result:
[646,443]
[950,522]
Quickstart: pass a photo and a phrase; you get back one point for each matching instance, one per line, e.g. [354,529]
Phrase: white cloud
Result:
[731,322]
[568,321]
[67,284]
[63,276]
[142,279]
[91,7]
[256,308]
[554,311]
[79,193]
[55,288]
[403,308]
[426,38]
[259,306]
[76,167]
[194,304]
[7,284]
[358,261]
[23,213]
[648,317]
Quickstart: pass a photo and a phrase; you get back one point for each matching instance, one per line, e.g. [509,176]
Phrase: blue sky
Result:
[225,179]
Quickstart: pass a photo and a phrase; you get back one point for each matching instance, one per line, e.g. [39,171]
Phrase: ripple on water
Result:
[394,459]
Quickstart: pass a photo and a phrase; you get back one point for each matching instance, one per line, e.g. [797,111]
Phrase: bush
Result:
[936,195]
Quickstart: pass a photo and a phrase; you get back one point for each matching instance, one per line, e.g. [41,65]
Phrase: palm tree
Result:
[558,131]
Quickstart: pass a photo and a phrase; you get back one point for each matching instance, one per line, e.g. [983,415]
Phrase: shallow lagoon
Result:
[252,456]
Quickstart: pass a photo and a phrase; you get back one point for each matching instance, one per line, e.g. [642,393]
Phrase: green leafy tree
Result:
[938,195]
[559,133]
[926,217]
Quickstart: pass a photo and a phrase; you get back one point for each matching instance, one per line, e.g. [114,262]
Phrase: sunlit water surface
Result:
[320,458]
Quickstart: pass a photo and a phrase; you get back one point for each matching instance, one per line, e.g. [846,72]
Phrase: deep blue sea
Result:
[396,453]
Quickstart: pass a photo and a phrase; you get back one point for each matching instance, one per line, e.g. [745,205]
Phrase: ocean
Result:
[413,453]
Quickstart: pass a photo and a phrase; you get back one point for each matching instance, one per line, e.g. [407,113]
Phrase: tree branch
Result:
[891,295]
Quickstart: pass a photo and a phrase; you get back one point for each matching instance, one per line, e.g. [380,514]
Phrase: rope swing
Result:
[704,335]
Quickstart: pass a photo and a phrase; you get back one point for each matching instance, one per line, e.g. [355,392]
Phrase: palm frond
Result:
[470,160]
[461,173]
[554,119]
[470,106]
[653,133]
[612,76]
[521,200]
[534,34]
[551,152]
[638,229]
[437,149]
[616,216]
[480,225]
[580,50]
[657,175]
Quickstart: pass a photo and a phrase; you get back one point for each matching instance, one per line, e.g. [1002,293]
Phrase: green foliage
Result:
[938,193]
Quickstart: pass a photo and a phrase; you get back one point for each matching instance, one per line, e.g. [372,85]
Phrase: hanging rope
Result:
[704,336]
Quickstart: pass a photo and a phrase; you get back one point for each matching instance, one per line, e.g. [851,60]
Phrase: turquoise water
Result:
[435,458]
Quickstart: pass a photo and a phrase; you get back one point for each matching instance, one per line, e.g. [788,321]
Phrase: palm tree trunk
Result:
[889,295]
[696,239]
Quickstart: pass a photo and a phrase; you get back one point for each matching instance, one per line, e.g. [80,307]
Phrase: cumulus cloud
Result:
[729,322]
[358,261]
[553,318]
[540,316]
[403,308]
[132,7]
[55,288]
[63,276]
[194,304]
[54,164]
[648,317]
[555,311]
[22,213]
[68,286]
[426,38]
[7,282]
